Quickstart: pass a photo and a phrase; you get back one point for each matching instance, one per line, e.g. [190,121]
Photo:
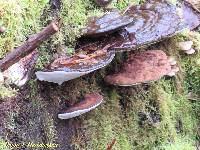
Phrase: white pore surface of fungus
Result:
[77,112]
[58,76]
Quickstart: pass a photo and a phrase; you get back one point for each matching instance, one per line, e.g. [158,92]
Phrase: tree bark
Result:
[31,44]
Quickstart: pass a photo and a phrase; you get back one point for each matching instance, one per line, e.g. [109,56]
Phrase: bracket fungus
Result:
[186,46]
[135,27]
[191,51]
[64,69]
[138,25]
[20,72]
[108,23]
[2,29]
[172,61]
[153,22]
[90,102]
[143,67]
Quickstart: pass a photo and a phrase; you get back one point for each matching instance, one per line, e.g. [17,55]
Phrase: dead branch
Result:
[31,44]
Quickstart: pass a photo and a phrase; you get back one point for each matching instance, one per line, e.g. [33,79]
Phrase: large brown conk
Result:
[143,67]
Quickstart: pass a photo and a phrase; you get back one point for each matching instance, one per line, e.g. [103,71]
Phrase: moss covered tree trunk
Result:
[155,115]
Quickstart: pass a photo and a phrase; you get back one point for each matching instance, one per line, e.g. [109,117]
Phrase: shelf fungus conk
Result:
[186,46]
[64,69]
[2,29]
[191,51]
[143,67]
[108,23]
[20,72]
[140,25]
[172,61]
[90,102]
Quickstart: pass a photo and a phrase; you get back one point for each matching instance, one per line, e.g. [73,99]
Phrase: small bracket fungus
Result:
[186,46]
[90,102]
[143,67]
[172,61]
[20,72]
[2,29]
[191,51]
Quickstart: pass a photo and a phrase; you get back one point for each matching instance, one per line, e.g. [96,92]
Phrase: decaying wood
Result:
[31,44]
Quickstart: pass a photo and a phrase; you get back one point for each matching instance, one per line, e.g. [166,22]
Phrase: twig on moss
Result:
[30,45]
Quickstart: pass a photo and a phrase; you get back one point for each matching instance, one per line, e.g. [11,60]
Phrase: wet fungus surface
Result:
[152,22]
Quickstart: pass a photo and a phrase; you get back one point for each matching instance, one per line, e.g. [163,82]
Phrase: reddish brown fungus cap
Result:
[91,101]
[140,68]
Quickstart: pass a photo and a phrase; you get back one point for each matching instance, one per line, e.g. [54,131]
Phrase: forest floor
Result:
[156,115]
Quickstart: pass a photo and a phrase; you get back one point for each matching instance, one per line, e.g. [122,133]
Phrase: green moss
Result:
[109,124]
[168,121]
[135,132]
[49,128]
[74,15]
[6,91]
[3,145]
[182,143]
[21,18]
[124,3]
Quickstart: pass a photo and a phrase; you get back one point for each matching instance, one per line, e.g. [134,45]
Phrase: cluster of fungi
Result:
[114,32]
